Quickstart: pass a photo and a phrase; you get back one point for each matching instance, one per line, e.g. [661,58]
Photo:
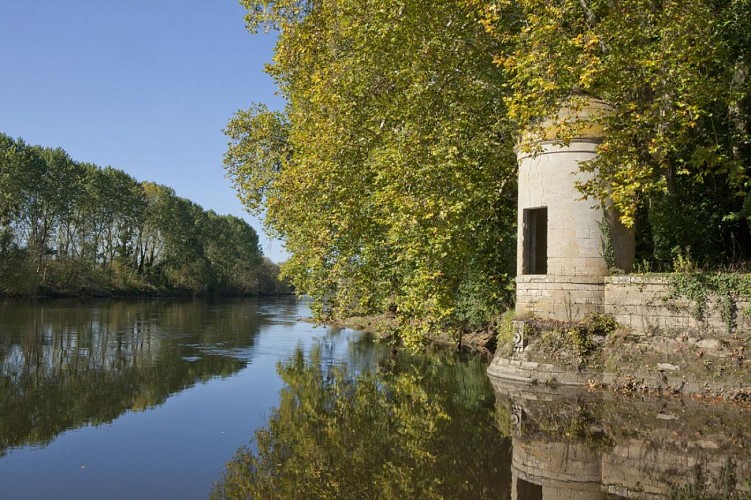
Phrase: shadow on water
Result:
[68,363]
[393,427]
[570,443]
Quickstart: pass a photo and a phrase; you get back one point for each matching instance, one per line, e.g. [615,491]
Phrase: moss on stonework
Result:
[569,343]
[670,362]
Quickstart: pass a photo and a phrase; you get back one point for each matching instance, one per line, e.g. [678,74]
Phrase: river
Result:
[240,398]
[153,398]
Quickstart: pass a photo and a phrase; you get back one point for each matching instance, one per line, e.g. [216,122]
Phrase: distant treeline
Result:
[74,228]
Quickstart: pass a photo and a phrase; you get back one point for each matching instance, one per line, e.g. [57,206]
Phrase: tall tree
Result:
[77,228]
[391,172]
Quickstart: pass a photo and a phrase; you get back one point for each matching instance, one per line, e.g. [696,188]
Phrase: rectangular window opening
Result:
[535,234]
[528,491]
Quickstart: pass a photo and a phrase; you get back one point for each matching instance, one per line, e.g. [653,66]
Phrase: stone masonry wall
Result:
[640,303]
[559,297]
[574,241]
[637,302]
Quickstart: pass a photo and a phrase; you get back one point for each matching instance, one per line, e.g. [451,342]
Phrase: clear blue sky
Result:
[145,86]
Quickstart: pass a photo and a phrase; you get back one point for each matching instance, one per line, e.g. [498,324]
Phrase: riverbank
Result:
[599,353]
[145,292]
[385,328]
[94,293]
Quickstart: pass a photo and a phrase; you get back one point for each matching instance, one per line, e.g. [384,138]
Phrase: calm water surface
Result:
[191,399]
[159,398]
[572,443]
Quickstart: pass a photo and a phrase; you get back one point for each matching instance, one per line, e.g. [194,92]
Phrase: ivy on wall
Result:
[698,287]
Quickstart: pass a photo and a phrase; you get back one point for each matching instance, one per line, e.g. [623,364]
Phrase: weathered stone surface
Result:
[709,344]
[661,362]
[667,366]
[574,238]
[666,416]
[576,281]
[642,303]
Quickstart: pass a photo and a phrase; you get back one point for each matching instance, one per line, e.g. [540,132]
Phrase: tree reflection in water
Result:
[68,363]
[416,427]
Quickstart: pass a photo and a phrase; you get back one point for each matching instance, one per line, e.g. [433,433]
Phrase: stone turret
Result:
[561,265]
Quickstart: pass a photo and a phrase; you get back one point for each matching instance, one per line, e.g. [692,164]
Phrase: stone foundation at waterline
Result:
[658,346]
[567,248]
[640,303]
